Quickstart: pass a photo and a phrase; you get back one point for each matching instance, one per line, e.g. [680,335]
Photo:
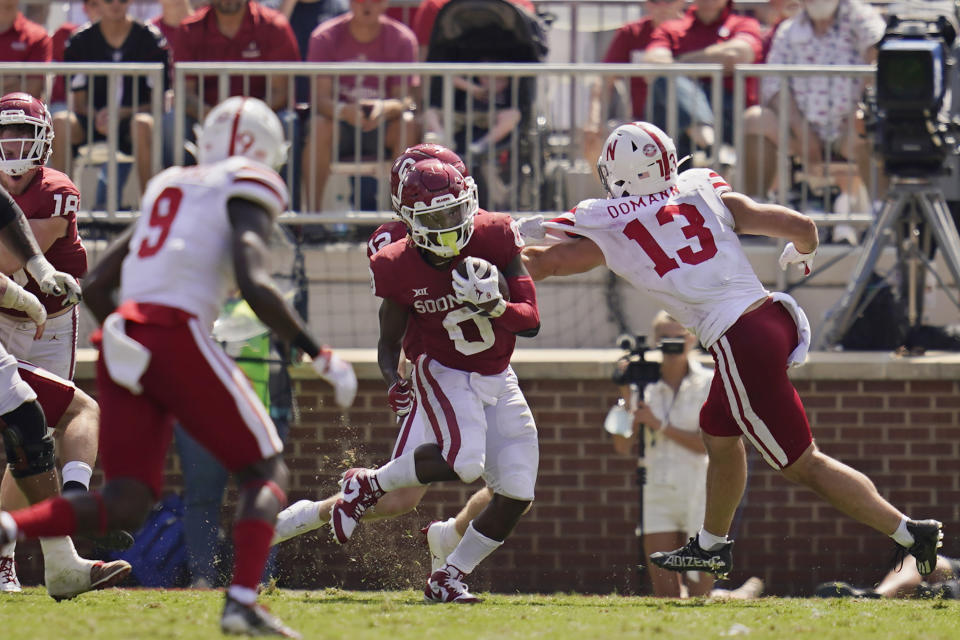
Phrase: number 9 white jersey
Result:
[181,251]
[679,246]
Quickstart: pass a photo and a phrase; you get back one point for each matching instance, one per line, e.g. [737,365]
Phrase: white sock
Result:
[59,551]
[472,550]
[449,535]
[9,527]
[243,595]
[398,473]
[7,550]
[709,542]
[901,536]
[77,471]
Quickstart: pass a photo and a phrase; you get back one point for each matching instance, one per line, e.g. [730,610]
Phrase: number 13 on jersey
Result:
[688,254]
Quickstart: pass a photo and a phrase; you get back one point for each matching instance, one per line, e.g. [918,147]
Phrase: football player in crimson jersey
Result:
[676,237]
[203,234]
[441,536]
[50,201]
[474,419]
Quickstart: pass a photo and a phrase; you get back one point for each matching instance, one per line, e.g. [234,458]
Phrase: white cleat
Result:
[64,583]
[8,576]
[299,518]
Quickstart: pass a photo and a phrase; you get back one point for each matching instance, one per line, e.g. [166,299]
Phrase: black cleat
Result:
[927,538]
[252,620]
[946,590]
[115,540]
[843,590]
[690,557]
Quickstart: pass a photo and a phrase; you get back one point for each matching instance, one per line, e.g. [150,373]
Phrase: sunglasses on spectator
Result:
[112,1]
[660,1]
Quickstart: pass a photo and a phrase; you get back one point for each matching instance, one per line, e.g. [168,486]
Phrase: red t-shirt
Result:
[688,33]
[49,194]
[25,41]
[449,332]
[427,12]
[59,41]
[332,41]
[264,36]
[629,40]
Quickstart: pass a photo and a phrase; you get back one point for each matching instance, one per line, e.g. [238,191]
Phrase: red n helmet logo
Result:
[612,149]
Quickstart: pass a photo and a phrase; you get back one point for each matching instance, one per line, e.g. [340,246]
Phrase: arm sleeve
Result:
[748,29]
[867,27]
[42,51]
[9,210]
[619,49]
[521,313]
[661,38]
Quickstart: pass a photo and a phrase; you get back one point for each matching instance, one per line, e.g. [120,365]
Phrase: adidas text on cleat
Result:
[927,538]
[253,620]
[360,491]
[8,576]
[446,585]
[690,557]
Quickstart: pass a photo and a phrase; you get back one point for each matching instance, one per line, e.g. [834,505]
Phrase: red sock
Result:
[51,518]
[251,544]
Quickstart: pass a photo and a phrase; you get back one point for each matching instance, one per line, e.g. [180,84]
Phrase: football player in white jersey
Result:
[675,237]
[203,233]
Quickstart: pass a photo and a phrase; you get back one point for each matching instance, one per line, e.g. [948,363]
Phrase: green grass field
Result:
[353,615]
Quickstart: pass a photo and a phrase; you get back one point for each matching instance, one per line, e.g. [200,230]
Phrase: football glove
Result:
[474,288]
[790,256]
[400,397]
[339,373]
[532,227]
[53,282]
[16,297]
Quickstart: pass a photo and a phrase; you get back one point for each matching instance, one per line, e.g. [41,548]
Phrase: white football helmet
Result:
[241,126]
[21,152]
[637,159]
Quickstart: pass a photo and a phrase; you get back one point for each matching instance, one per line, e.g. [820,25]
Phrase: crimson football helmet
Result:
[423,151]
[637,159]
[27,143]
[438,205]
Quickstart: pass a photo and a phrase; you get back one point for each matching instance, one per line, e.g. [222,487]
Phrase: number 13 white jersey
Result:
[181,252]
[678,246]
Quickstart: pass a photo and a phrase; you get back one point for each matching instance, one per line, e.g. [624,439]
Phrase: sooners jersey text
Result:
[448,331]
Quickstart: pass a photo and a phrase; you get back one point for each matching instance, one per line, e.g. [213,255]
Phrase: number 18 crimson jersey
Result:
[448,331]
[181,251]
[679,246]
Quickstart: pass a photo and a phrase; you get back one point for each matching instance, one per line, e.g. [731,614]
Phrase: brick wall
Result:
[898,424]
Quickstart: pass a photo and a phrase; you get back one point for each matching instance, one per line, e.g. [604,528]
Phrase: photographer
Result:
[675,456]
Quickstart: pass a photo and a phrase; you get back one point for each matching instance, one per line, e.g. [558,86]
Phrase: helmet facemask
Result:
[24,143]
[445,226]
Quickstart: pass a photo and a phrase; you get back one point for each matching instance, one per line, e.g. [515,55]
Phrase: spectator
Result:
[58,94]
[709,33]
[304,17]
[427,12]
[363,34]
[22,41]
[774,15]
[172,13]
[669,418]
[822,116]
[628,46]
[116,37]
[238,31]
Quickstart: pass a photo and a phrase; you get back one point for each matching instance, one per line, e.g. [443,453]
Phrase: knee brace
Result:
[29,448]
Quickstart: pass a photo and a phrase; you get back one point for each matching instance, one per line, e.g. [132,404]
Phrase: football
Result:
[483,272]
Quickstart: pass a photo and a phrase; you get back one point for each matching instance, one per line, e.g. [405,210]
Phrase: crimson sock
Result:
[251,543]
[51,518]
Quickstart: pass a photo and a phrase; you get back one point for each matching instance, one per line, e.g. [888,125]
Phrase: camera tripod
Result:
[913,210]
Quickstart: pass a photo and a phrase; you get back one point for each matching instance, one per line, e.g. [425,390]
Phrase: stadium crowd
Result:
[382,116]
